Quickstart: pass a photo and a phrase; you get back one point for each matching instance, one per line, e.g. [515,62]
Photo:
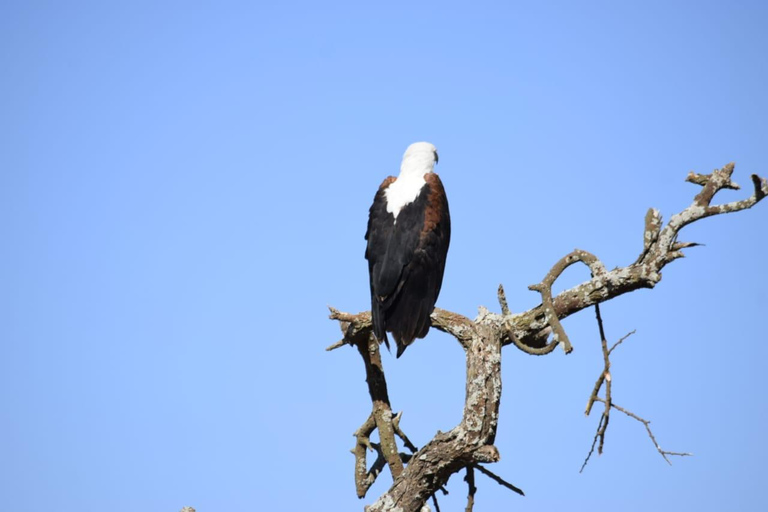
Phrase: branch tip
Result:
[336,345]
[496,478]
[503,301]
[472,489]
[761,186]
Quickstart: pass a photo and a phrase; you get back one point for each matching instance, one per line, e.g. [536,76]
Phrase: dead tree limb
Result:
[660,247]
[471,442]
[646,424]
[606,378]
[496,478]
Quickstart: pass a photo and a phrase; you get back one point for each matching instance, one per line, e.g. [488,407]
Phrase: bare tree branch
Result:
[406,442]
[382,411]
[471,442]
[357,332]
[606,378]
[545,289]
[506,315]
[594,442]
[434,501]
[621,340]
[364,478]
[496,478]
[659,249]
[647,424]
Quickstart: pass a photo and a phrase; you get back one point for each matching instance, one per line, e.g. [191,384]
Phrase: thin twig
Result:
[336,345]
[470,479]
[594,442]
[607,380]
[434,500]
[603,378]
[630,333]
[406,442]
[496,478]
[647,423]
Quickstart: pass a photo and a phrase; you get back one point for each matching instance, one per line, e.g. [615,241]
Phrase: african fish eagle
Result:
[409,229]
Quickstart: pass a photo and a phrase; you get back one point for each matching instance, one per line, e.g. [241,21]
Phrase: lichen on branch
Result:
[418,476]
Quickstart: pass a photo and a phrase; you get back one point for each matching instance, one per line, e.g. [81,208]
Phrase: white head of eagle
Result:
[409,229]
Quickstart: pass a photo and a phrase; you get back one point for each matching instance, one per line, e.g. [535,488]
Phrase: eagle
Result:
[409,229]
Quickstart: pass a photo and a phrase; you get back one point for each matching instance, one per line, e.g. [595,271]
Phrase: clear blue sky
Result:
[184,188]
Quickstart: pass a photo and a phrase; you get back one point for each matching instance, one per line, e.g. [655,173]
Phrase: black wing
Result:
[408,317]
[406,261]
[390,248]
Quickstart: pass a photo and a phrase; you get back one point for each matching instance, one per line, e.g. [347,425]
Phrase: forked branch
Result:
[471,442]
[660,247]
[606,379]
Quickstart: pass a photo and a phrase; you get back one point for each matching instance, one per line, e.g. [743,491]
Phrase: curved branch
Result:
[660,247]
[545,289]
[382,410]
[364,477]
[358,332]
[510,335]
